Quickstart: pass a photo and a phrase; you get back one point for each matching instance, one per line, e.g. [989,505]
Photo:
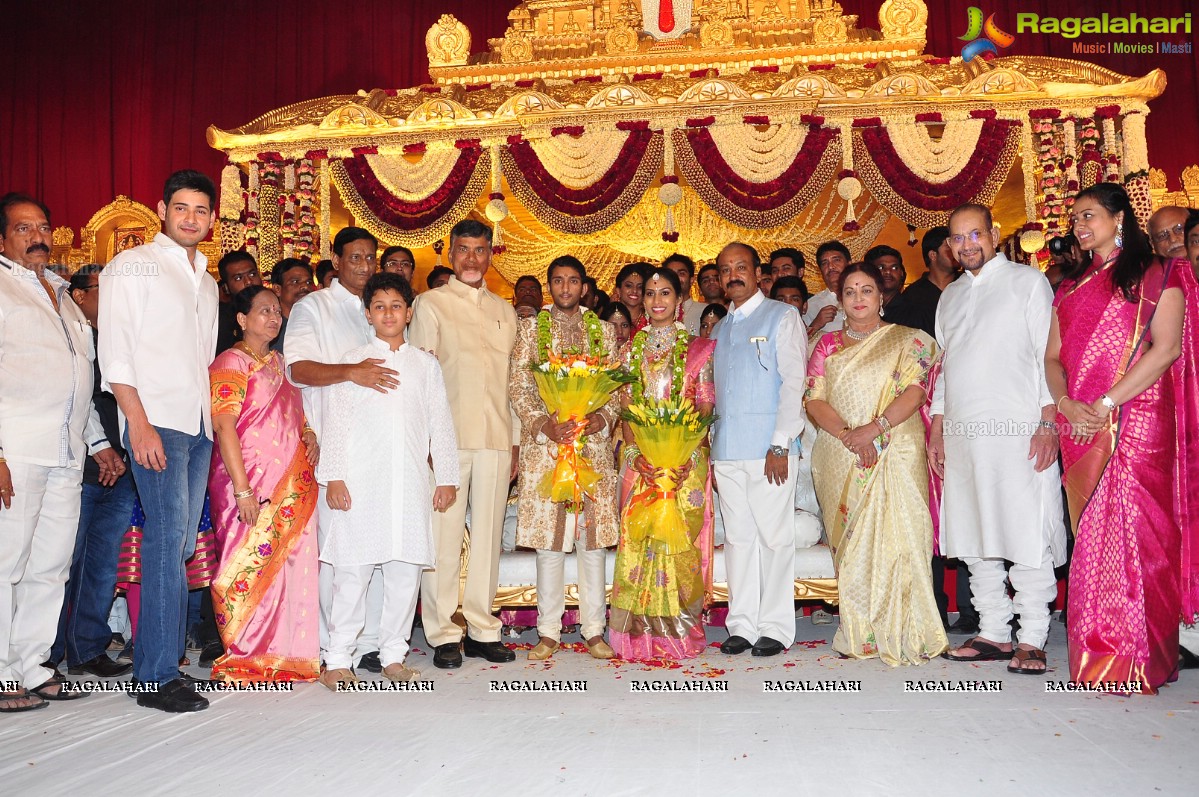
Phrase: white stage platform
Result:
[464,739]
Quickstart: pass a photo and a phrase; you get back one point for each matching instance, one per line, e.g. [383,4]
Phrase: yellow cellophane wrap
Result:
[572,388]
[668,433]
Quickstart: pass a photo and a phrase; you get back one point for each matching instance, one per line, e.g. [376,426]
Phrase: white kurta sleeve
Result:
[93,433]
[302,342]
[443,442]
[1039,315]
[340,401]
[792,352]
[937,406]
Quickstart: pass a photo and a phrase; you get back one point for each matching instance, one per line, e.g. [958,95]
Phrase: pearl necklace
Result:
[850,332]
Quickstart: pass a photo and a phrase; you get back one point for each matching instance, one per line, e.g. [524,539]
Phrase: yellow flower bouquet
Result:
[667,433]
[573,386]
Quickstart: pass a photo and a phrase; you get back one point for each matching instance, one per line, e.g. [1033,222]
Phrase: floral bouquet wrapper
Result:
[668,433]
[572,387]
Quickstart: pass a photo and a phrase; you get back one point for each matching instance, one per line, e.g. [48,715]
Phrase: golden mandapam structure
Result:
[619,130]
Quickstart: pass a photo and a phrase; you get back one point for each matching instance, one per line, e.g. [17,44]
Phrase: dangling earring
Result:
[1120,240]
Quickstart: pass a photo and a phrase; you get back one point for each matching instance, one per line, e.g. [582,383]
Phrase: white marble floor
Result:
[464,738]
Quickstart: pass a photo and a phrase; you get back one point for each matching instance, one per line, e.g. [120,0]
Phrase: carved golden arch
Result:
[100,235]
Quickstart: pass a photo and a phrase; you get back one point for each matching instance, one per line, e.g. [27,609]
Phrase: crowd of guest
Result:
[334,429]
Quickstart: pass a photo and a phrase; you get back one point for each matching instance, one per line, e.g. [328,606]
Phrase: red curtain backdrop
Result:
[106,98]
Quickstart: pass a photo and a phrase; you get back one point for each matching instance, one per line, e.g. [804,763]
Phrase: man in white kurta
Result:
[993,434]
[832,257]
[380,444]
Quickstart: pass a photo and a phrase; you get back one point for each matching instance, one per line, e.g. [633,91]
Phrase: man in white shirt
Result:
[824,311]
[324,326]
[45,404]
[759,368]
[158,324]
[690,310]
[993,438]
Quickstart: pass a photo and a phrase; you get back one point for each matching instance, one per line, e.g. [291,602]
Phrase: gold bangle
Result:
[243,494]
[1058,403]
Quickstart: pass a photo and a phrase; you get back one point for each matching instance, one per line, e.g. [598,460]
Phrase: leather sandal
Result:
[986,651]
[63,692]
[1022,655]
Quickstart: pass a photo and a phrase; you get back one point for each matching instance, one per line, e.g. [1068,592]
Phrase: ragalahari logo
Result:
[983,39]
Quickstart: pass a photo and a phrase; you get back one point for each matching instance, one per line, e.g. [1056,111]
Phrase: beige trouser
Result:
[483,475]
[551,592]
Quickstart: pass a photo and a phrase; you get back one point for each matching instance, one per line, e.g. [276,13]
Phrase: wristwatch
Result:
[778,451]
[1107,401]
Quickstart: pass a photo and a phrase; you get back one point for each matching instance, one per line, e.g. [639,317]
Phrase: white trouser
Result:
[368,641]
[483,475]
[37,538]
[759,549]
[348,611]
[551,592]
[1035,588]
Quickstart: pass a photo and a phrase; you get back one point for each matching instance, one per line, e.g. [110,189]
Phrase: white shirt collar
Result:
[341,293]
[749,305]
[27,273]
[991,266]
[379,343]
[166,242]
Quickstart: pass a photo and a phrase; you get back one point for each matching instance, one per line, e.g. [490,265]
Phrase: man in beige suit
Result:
[472,332]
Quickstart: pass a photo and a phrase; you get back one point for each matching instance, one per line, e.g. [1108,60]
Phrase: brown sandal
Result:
[1020,656]
[986,651]
[18,697]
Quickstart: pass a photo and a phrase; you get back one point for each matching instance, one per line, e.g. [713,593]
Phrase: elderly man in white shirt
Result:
[158,323]
[323,326]
[993,437]
[46,415]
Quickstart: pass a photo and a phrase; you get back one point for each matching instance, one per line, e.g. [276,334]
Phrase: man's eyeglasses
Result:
[1168,233]
[974,236]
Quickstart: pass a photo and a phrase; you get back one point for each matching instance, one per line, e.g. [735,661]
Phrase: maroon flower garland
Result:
[748,203]
[599,205]
[413,216]
[916,200]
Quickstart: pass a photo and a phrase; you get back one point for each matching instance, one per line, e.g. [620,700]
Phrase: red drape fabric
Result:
[99,98]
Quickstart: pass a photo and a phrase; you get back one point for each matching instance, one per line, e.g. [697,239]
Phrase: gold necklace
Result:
[262,361]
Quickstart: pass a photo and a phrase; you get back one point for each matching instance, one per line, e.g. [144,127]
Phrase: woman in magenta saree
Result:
[263,508]
[1113,364]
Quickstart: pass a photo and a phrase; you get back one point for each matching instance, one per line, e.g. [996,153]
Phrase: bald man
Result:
[1167,231]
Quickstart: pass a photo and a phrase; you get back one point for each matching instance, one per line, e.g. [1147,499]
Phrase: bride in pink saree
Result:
[263,508]
[1121,364]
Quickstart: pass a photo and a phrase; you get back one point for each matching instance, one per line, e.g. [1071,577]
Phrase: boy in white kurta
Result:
[375,462]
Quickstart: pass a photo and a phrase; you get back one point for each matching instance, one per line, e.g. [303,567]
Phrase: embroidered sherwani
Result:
[543,524]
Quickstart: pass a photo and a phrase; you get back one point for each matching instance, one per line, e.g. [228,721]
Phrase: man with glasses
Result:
[1167,231]
[399,260]
[324,326]
[994,441]
[238,270]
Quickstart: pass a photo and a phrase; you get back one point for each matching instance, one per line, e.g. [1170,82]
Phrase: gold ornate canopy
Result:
[620,130]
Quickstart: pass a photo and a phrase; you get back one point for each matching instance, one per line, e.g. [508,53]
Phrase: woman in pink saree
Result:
[1128,398]
[263,508]
[658,598]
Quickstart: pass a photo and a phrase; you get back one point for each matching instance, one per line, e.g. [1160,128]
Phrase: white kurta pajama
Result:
[380,444]
[993,327]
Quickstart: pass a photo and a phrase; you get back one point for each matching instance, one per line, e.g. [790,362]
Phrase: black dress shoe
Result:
[447,656]
[370,662]
[101,667]
[965,624]
[765,646]
[495,652]
[211,652]
[1186,659]
[734,645]
[173,697]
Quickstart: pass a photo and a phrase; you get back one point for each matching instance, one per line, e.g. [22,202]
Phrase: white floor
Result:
[464,739]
